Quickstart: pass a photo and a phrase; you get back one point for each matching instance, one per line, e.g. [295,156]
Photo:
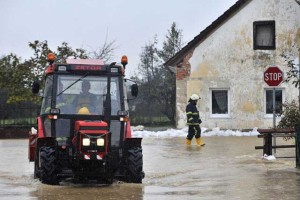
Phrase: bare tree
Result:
[105,52]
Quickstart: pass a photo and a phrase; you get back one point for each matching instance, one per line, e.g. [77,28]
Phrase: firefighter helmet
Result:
[194,97]
[84,111]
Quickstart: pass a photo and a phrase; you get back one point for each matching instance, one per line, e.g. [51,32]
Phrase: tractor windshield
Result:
[85,94]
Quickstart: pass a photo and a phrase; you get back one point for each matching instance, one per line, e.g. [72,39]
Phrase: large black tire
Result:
[135,172]
[48,172]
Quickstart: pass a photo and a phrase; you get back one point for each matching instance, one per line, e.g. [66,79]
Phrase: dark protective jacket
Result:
[192,114]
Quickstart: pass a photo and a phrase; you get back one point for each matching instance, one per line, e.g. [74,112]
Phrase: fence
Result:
[269,134]
[21,114]
[150,121]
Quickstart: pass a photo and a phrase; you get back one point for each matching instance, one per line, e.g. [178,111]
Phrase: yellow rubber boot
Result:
[188,142]
[200,142]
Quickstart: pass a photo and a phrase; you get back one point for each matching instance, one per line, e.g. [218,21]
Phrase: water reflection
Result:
[83,192]
[226,168]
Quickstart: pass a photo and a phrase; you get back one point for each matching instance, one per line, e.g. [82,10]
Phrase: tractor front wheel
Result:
[48,172]
[135,172]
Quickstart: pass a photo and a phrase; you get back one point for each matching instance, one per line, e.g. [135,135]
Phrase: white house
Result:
[225,64]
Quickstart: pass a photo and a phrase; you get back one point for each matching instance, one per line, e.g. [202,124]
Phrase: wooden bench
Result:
[268,134]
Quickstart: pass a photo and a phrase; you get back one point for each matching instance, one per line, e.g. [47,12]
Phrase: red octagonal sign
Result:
[273,76]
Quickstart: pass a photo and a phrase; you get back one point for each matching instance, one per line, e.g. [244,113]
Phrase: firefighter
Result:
[85,98]
[193,121]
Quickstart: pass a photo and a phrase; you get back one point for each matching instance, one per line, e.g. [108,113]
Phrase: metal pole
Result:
[297,128]
[274,117]
[274,109]
[297,133]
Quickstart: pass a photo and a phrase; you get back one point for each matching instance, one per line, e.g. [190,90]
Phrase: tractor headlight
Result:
[86,141]
[100,142]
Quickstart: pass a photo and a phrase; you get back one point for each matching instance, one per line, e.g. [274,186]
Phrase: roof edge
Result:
[206,32]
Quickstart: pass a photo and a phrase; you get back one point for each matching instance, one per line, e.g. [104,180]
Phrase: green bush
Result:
[290,117]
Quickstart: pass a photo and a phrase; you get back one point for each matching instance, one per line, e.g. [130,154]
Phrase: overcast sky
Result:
[87,23]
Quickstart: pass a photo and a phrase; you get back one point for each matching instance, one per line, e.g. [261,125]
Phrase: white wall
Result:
[226,59]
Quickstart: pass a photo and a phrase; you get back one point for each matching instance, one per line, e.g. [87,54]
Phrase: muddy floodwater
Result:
[226,168]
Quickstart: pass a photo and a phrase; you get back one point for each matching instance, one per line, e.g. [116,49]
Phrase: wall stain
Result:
[249,107]
[205,69]
[297,39]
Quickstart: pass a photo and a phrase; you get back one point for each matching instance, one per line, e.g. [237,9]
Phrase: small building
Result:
[225,64]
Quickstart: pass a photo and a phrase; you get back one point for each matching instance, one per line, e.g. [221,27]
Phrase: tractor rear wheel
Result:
[48,172]
[135,172]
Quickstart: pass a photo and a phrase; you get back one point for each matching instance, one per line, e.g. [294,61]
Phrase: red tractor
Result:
[83,129]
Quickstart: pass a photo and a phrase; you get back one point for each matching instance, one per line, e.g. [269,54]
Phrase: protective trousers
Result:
[194,130]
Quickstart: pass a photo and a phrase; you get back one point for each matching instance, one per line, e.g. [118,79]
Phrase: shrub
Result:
[290,117]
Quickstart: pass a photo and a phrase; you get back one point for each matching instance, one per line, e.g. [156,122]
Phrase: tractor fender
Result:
[31,146]
[36,143]
[40,128]
[130,143]
[127,130]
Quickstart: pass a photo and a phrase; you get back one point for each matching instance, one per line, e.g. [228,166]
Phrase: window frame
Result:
[265,100]
[255,33]
[227,115]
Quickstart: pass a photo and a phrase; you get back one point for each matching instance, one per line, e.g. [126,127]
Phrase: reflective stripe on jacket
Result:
[192,114]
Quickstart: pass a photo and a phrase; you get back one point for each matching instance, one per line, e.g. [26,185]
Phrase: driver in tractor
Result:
[85,100]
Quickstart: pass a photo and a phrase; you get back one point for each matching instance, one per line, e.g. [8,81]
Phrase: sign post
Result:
[273,76]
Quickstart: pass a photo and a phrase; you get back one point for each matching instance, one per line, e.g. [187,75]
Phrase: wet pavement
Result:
[226,168]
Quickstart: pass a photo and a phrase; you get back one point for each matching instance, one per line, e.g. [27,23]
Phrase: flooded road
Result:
[226,168]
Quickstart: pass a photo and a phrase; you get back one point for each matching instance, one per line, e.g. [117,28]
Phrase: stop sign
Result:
[273,76]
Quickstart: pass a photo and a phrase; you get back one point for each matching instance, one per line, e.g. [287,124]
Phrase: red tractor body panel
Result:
[40,128]
[128,130]
[81,124]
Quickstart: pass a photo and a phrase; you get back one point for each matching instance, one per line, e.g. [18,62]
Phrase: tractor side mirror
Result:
[123,113]
[134,90]
[35,87]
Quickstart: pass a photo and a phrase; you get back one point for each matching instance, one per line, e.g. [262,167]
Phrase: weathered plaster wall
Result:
[226,59]
[182,75]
